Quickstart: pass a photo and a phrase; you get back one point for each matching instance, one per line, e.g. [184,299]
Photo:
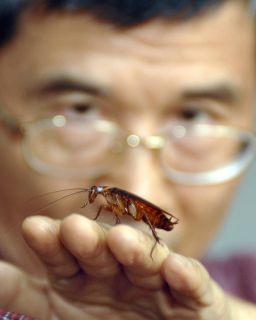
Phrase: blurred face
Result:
[143,78]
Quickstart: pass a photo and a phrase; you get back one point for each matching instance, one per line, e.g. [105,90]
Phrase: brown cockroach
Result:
[121,202]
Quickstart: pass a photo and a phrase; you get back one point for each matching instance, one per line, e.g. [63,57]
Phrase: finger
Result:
[17,289]
[133,248]
[189,282]
[42,235]
[86,240]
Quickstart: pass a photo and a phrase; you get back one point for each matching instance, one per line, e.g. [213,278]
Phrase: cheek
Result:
[206,203]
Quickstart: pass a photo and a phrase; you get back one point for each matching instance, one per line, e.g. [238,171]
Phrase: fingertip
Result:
[40,233]
[28,223]
[82,236]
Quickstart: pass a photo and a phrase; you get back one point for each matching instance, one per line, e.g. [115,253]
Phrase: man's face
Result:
[151,75]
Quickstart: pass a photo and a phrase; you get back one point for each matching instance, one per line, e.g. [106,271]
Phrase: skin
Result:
[70,266]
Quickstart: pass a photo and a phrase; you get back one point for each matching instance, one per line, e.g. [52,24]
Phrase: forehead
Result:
[214,44]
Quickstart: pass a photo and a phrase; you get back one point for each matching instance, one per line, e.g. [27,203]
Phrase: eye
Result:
[80,110]
[193,114]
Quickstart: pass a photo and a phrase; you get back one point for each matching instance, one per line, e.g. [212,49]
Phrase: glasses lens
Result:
[207,152]
[69,146]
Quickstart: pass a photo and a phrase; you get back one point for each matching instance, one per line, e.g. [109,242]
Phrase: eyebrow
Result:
[220,92]
[65,84]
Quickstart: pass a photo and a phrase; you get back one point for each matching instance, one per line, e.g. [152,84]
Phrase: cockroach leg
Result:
[108,208]
[84,205]
[152,249]
[113,208]
[154,235]
[98,213]
[117,219]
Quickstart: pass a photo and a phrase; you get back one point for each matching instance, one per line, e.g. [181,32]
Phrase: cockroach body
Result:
[121,202]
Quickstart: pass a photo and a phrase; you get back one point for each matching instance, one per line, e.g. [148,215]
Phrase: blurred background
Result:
[239,231]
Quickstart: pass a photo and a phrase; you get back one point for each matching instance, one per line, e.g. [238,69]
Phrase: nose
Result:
[140,172]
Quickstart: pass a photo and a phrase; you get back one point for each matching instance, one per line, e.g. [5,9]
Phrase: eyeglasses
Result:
[192,154]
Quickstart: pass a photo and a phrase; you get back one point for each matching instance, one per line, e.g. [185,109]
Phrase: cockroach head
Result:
[94,191]
[100,189]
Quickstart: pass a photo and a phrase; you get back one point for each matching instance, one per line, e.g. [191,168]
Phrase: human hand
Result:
[97,272]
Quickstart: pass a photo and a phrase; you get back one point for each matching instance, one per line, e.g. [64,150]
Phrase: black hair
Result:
[122,13]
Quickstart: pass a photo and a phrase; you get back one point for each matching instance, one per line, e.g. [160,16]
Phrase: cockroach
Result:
[121,202]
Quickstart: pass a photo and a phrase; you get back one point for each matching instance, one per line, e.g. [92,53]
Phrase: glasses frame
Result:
[151,142]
